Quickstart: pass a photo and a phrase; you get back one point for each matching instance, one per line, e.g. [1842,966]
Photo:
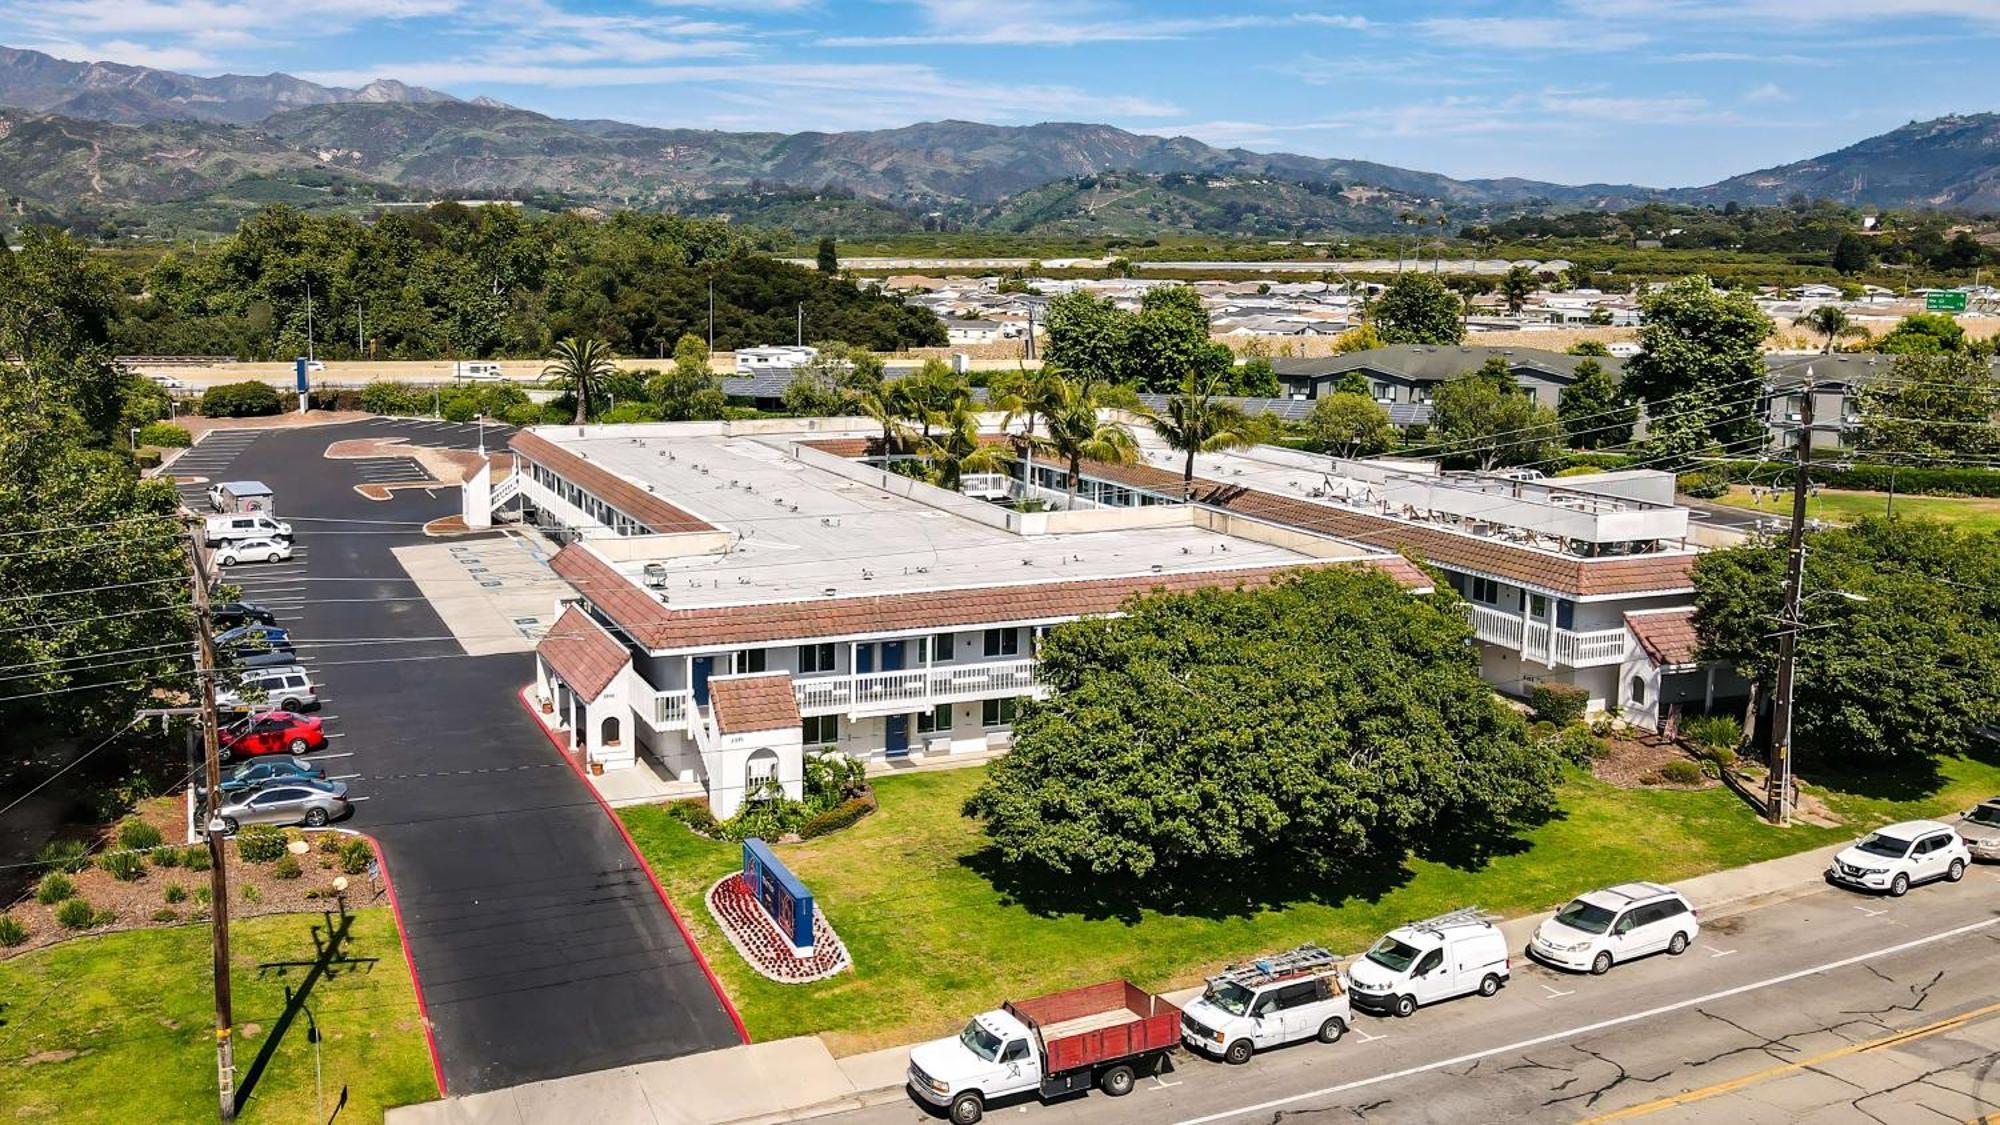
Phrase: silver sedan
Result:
[312,804]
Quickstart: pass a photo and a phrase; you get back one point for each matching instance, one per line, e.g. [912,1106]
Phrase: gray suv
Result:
[1980,829]
[311,803]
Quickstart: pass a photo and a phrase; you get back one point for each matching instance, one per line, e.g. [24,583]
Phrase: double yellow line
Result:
[1783,1069]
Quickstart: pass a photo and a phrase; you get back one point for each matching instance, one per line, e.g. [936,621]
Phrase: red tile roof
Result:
[661,627]
[659,516]
[583,653]
[1668,635]
[747,703]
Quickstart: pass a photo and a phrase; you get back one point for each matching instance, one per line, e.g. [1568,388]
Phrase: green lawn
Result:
[120,1028]
[1841,506]
[933,940]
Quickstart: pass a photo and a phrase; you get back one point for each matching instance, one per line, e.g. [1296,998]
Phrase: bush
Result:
[123,866]
[12,932]
[629,412]
[174,893]
[164,857]
[382,397]
[147,458]
[329,398]
[240,400]
[836,818]
[694,812]
[76,914]
[329,842]
[64,855]
[260,843]
[251,893]
[461,408]
[195,857]
[1707,484]
[54,888]
[523,414]
[165,435]
[1577,744]
[166,914]
[1876,478]
[1561,704]
[355,856]
[138,835]
[1713,732]
[203,895]
[1681,773]
[287,867]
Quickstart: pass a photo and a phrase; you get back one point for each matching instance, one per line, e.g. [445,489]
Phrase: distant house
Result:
[1410,373]
[973,331]
[773,358]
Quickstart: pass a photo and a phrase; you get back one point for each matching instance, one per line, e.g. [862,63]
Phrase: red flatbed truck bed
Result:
[1084,1030]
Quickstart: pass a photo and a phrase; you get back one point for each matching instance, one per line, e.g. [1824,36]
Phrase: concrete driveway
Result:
[541,947]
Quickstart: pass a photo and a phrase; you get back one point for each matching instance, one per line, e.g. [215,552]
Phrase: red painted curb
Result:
[693,947]
[403,934]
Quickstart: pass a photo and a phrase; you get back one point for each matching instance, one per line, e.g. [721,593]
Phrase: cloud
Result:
[1353,23]
[1768,92]
[1042,23]
[1503,33]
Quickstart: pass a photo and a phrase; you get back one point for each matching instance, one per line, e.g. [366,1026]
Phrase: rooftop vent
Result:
[828,591]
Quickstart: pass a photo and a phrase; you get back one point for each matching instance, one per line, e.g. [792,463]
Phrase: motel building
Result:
[751,592]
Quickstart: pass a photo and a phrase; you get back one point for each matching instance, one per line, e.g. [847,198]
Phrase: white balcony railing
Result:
[1497,626]
[1583,650]
[875,693]
[1543,643]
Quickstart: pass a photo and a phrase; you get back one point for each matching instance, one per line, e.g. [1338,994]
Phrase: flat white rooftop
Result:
[798,529]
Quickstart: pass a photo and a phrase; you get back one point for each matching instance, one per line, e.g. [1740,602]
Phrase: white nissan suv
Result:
[1893,858]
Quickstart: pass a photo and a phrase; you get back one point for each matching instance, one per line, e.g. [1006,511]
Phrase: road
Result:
[541,948]
[1830,1007]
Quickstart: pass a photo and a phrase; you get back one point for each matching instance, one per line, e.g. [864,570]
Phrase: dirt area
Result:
[255,888]
[1635,763]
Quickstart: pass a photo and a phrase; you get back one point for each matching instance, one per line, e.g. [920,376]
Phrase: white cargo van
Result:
[218,529]
[1451,955]
[1273,1000]
[242,496]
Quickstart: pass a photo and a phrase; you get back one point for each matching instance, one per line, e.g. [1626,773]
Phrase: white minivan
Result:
[1454,954]
[1273,1000]
[1619,923]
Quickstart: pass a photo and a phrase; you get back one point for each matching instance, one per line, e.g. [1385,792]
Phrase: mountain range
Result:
[83,139]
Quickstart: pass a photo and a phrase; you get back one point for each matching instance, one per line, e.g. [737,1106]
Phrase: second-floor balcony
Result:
[867,694]
[1544,643]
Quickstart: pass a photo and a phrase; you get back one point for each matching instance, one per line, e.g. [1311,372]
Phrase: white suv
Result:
[1891,859]
[1616,924]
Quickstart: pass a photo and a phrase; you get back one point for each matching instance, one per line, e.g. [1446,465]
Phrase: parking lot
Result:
[540,945]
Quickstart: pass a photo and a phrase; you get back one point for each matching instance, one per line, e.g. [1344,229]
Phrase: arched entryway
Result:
[760,775]
[607,731]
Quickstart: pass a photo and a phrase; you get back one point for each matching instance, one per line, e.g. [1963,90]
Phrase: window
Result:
[1565,614]
[1383,392]
[1538,607]
[1431,961]
[997,712]
[942,647]
[1298,995]
[1003,642]
[1638,691]
[1484,590]
[821,730]
[815,658]
[936,719]
[1015,1052]
[749,660]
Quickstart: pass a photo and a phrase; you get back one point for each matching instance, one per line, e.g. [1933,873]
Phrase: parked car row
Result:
[268,733]
[1108,1035]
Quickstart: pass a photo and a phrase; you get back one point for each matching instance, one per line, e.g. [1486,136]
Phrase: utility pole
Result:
[360,344]
[1778,795]
[711,317]
[802,324]
[218,870]
[309,323]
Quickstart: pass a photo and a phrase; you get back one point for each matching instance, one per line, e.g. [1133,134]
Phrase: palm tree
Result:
[1195,421]
[1829,321]
[578,365]
[931,395]
[957,450]
[886,406]
[1076,431]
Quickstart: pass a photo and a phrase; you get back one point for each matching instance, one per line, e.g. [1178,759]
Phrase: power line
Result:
[70,765]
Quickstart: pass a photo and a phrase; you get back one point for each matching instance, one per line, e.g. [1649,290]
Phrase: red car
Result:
[274,732]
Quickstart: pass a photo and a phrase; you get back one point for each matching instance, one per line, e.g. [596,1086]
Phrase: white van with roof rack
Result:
[1270,1001]
[1596,930]
[1453,954]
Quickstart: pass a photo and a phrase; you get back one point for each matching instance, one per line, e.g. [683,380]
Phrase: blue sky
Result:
[1658,92]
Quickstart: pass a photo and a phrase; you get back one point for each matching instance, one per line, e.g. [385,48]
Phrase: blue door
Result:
[898,743]
[704,666]
[892,656]
[864,659]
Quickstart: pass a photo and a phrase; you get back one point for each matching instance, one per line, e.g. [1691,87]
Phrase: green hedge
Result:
[240,400]
[166,435]
[1560,704]
[836,818]
[260,843]
[1910,479]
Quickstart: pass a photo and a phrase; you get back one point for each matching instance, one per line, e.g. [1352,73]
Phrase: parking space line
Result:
[1367,1038]
[1714,952]
[1555,992]
[342,776]
[1868,912]
[352,800]
[330,757]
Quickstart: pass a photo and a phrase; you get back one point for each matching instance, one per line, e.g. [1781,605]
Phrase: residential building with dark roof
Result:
[1410,373]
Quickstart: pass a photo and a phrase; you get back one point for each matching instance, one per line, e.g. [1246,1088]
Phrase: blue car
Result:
[254,638]
[269,771]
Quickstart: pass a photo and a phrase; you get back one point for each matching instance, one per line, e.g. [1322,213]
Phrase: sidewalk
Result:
[798,1079]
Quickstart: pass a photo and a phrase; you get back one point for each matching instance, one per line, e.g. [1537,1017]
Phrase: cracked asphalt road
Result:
[1805,1010]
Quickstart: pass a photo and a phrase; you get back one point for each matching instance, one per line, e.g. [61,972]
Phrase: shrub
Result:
[1681,773]
[461,408]
[628,412]
[123,866]
[251,893]
[195,857]
[166,914]
[523,414]
[330,398]
[1706,484]
[174,893]
[1577,744]
[287,867]
[76,914]
[355,856]
[12,932]
[836,818]
[166,435]
[203,895]
[240,400]
[1909,479]
[146,458]
[1561,704]
[329,842]
[382,397]
[261,843]
[54,887]
[138,835]
[164,857]
[1713,732]
[694,813]
[64,855]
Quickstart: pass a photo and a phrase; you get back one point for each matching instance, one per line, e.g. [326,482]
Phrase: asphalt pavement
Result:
[541,948]
[1827,1007]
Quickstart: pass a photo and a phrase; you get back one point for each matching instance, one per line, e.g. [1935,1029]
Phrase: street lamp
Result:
[135,439]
